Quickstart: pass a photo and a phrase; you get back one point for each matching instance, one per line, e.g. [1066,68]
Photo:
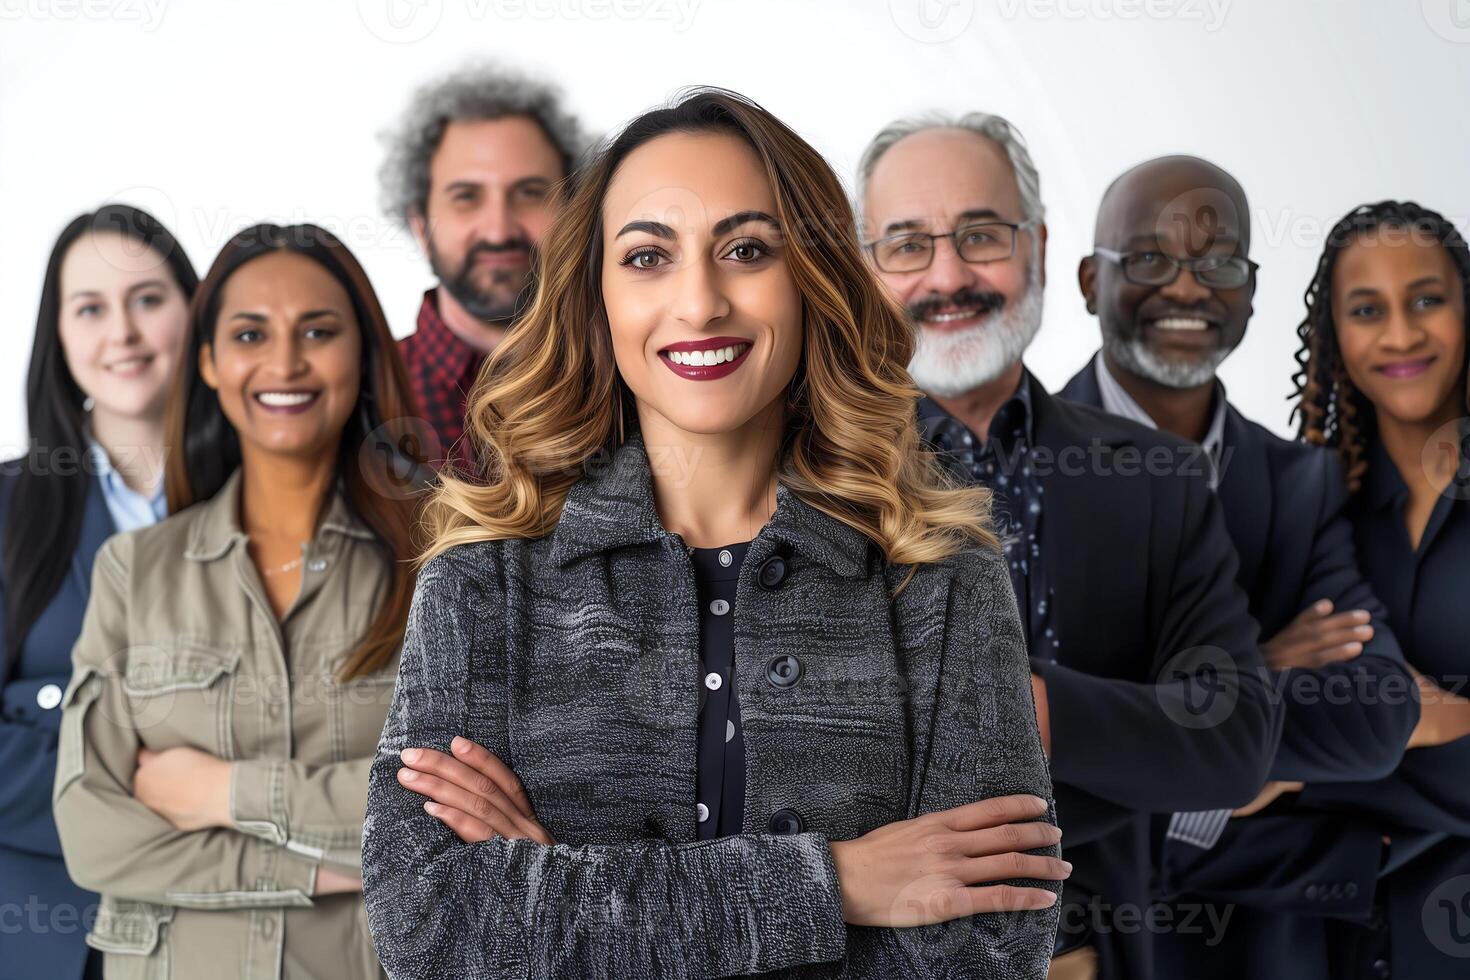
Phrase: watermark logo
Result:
[1195,689]
[1450,19]
[1446,917]
[932,21]
[400,21]
[1447,451]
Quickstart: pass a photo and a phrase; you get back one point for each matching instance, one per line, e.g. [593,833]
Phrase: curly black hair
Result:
[1331,411]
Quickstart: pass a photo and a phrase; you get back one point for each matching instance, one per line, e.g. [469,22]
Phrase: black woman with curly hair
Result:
[1383,382]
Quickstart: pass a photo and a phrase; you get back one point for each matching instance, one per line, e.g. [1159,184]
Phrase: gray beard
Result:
[1136,357]
[950,363]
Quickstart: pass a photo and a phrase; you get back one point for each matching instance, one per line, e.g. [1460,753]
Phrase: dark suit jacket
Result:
[54,914]
[1287,868]
[1150,622]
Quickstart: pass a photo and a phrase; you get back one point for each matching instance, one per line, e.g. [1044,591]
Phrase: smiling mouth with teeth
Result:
[285,399]
[131,365]
[1191,323]
[707,358]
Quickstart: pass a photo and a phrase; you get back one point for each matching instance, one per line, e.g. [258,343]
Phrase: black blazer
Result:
[1144,579]
[1283,870]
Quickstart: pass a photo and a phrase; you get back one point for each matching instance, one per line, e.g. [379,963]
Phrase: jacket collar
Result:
[613,507]
[215,526]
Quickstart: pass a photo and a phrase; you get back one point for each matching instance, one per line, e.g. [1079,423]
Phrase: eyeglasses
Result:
[913,251]
[1157,269]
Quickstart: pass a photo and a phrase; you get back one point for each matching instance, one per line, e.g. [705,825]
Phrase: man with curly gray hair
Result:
[469,171]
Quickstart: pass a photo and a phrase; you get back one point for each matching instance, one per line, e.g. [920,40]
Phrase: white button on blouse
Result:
[702,811]
[48,697]
[713,681]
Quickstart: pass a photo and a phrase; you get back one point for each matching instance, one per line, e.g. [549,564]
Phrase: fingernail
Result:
[1051,899]
[1067,866]
[407,775]
[409,755]
[460,745]
[1324,606]
[431,807]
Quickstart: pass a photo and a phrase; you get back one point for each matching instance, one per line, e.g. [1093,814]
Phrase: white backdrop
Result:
[214,115]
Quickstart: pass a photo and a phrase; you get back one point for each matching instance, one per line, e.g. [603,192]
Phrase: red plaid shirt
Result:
[441,368]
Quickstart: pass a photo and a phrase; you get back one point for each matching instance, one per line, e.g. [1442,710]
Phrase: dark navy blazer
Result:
[1144,576]
[1287,868]
[46,936]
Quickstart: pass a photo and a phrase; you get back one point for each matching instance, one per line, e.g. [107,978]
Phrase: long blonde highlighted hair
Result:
[550,399]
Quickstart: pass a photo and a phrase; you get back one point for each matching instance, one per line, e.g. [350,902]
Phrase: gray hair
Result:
[475,92]
[995,128]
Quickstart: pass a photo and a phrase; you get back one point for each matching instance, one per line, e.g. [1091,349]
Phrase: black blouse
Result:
[720,779]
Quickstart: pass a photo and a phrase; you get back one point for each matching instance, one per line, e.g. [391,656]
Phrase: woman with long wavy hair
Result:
[236,660]
[713,673]
[1383,382]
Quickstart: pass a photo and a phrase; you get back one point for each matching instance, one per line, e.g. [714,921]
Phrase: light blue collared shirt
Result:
[130,509]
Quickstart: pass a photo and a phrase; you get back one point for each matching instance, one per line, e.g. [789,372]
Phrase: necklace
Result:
[279,569]
[268,572]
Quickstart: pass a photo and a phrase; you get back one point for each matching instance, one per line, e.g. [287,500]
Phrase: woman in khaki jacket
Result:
[237,660]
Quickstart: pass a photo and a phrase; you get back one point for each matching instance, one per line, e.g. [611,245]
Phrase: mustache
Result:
[496,248]
[982,302]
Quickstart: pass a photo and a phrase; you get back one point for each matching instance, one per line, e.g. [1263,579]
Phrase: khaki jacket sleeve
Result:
[316,811]
[115,845]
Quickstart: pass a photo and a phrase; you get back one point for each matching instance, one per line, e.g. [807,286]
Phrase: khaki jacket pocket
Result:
[133,935]
[182,694]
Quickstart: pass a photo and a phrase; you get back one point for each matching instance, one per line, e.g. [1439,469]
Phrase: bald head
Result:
[1173,193]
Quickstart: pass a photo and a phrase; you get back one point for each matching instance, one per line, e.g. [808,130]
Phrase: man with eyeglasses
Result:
[1171,284]
[1146,670]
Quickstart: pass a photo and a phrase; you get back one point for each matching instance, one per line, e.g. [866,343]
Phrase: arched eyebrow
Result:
[739,218]
[656,228]
[723,226]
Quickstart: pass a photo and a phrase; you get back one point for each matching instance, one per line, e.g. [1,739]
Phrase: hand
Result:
[188,788]
[920,871]
[329,882]
[1317,638]
[1267,796]
[475,795]
[1444,716]
[1043,712]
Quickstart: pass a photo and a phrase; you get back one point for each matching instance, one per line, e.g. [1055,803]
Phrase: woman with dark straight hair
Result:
[236,661]
[1383,383]
[112,320]
[714,673]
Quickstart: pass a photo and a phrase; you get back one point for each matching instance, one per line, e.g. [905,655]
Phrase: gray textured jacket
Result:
[574,658]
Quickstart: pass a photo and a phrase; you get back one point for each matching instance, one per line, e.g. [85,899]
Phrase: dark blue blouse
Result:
[720,779]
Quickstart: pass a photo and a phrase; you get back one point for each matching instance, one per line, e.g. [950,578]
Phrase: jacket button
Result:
[1312,893]
[1350,889]
[1380,969]
[786,822]
[773,571]
[48,697]
[783,671]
